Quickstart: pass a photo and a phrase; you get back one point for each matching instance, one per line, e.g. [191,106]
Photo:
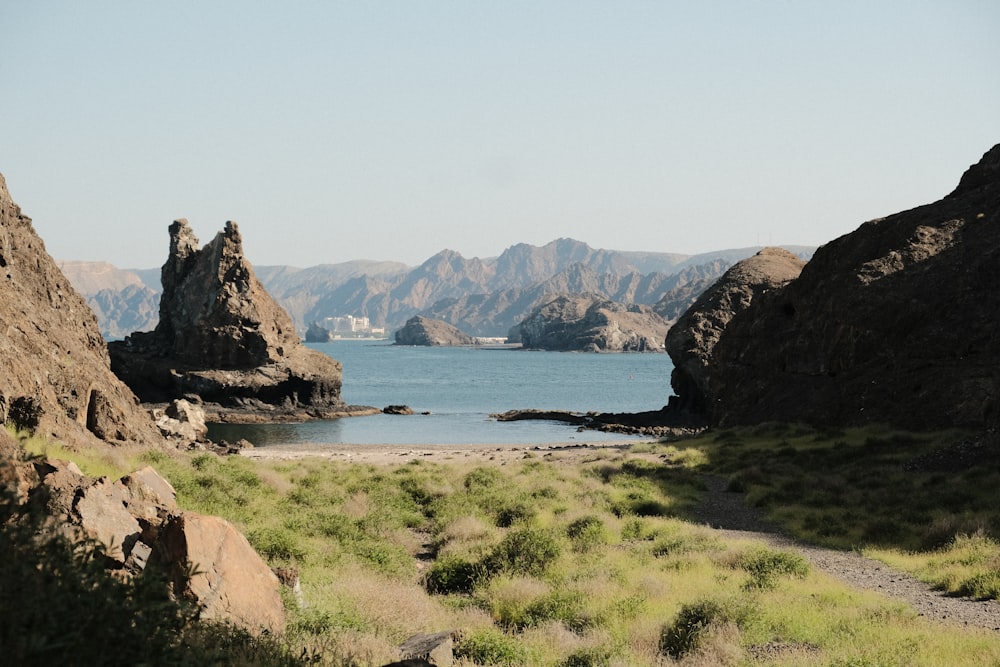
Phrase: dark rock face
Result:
[425,331]
[222,337]
[317,334]
[895,322]
[54,366]
[592,324]
[691,341]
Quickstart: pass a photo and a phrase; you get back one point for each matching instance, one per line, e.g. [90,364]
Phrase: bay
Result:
[460,387]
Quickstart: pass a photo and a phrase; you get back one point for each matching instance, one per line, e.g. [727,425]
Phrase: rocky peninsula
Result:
[222,340]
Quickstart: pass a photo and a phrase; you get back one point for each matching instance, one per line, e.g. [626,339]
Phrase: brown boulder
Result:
[51,351]
[223,338]
[231,582]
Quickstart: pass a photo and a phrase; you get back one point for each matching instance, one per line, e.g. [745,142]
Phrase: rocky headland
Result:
[592,324]
[222,340]
[893,323]
[433,333]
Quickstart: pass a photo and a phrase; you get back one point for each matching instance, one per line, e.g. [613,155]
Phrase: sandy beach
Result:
[388,454]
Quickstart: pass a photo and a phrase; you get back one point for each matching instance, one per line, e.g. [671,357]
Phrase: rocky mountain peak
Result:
[985,172]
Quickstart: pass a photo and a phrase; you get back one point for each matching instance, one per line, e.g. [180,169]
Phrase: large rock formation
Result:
[592,324]
[55,375]
[135,520]
[223,338]
[691,341]
[435,333]
[894,322]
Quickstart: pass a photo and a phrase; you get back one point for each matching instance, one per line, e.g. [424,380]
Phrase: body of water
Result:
[461,387]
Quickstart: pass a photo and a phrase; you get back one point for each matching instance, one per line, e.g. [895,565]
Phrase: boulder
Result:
[429,332]
[893,323]
[55,374]
[592,324]
[691,341]
[223,338]
[435,649]
[230,580]
[183,422]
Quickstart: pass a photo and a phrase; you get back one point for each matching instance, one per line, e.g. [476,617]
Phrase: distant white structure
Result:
[346,324]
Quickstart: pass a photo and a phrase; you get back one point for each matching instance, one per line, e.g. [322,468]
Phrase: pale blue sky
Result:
[391,130]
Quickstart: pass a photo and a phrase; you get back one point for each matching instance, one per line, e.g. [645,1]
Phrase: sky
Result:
[333,131]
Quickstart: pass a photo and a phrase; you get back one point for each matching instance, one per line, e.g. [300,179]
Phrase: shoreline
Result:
[388,454]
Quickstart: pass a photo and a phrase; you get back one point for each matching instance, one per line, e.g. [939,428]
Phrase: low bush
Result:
[453,575]
[694,620]
[491,647]
[587,533]
[524,551]
[765,566]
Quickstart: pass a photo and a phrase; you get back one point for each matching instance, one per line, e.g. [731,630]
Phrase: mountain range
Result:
[483,297]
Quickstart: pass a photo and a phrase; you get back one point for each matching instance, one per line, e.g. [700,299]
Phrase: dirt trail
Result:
[727,512]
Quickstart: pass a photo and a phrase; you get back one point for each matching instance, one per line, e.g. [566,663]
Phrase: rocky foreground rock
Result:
[135,521]
[55,375]
[223,339]
[895,322]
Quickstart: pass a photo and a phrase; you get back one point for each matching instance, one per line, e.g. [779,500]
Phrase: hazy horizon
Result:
[389,131]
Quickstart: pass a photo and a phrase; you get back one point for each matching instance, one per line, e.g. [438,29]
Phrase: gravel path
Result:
[728,512]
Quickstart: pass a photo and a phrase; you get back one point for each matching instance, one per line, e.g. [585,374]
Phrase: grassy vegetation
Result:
[543,562]
[925,503]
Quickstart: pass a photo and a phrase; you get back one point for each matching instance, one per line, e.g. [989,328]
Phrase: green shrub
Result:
[490,647]
[766,565]
[276,544]
[587,533]
[693,619]
[596,656]
[453,575]
[526,551]
[514,512]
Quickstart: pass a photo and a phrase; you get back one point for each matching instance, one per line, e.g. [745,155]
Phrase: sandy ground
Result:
[395,454]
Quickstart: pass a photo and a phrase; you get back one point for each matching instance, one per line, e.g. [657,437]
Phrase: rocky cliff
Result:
[895,322]
[222,337]
[425,331]
[692,339]
[592,324]
[55,375]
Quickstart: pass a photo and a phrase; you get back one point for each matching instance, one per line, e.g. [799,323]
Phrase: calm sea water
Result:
[461,387]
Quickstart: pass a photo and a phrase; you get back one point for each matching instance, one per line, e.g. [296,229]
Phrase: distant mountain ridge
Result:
[484,297]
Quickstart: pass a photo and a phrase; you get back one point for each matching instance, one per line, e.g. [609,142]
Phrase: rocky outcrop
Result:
[592,324]
[435,333]
[894,323]
[221,337]
[55,373]
[317,334]
[691,341]
[135,521]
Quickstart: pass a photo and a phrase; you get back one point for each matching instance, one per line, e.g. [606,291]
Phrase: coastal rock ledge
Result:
[222,338]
